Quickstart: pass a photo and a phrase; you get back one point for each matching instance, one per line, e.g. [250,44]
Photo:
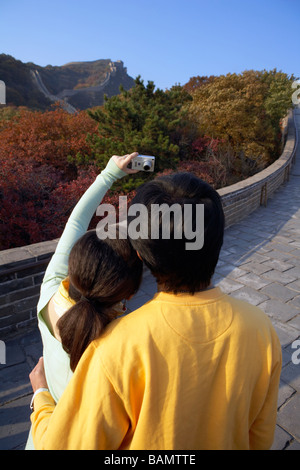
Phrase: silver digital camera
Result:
[142,162]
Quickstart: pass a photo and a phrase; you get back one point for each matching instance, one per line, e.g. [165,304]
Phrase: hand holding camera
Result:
[132,163]
[142,163]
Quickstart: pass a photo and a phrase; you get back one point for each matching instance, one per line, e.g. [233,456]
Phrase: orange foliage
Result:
[46,138]
[34,169]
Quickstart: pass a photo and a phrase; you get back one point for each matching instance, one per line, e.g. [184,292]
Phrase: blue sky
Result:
[167,41]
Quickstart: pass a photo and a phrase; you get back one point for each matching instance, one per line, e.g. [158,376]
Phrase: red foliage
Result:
[47,138]
[210,171]
[66,195]
[35,195]
[24,208]
[35,201]
[38,185]
[205,144]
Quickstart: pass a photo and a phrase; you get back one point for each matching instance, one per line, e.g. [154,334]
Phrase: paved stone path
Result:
[259,262]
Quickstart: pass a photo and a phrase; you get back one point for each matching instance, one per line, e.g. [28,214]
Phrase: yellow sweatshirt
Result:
[182,372]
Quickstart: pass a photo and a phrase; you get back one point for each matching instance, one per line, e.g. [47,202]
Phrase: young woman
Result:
[84,284]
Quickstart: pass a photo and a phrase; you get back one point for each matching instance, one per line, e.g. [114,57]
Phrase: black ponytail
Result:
[80,326]
[101,274]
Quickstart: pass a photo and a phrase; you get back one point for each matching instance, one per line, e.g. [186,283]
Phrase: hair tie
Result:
[94,302]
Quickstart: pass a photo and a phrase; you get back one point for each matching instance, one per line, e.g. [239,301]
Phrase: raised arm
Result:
[78,223]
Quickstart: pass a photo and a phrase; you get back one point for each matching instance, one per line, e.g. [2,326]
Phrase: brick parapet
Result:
[242,198]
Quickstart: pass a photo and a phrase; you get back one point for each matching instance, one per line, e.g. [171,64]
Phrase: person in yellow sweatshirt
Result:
[191,369]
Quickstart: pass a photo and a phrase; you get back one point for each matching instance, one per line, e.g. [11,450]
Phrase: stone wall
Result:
[21,273]
[242,198]
[22,269]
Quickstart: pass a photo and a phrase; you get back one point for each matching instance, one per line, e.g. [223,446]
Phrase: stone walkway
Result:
[259,262]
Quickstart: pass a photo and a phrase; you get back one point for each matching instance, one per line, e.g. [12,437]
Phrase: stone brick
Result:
[279,265]
[285,393]
[236,273]
[22,294]
[294,285]
[296,301]
[282,247]
[257,268]
[281,439]
[278,276]
[286,334]
[254,281]
[250,295]
[14,285]
[38,268]
[288,416]
[278,255]
[14,382]
[278,291]
[295,322]
[19,306]
[226,269]
[15,319]
[15,423]
[291,375]
[278,309]
[228,285]
[14,258]
[294,444]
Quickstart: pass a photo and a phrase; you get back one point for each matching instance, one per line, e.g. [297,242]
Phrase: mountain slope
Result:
[77,85]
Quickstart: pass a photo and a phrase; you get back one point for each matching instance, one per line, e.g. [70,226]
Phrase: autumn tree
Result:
[244,110]
[25,212]
[35,148]
[196,82]
[50,138]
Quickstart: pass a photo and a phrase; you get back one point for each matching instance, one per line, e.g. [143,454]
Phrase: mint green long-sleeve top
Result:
[56,360]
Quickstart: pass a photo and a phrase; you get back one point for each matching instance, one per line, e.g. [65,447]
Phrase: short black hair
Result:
[176,268]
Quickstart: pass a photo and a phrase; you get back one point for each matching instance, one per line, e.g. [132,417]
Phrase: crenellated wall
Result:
[22,269]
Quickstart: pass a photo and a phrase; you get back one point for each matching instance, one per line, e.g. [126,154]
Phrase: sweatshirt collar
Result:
[208,295]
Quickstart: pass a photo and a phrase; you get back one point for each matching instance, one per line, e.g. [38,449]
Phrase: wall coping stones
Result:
[263,176]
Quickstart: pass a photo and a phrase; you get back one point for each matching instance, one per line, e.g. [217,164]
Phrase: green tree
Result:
[143,119]
[278,96]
